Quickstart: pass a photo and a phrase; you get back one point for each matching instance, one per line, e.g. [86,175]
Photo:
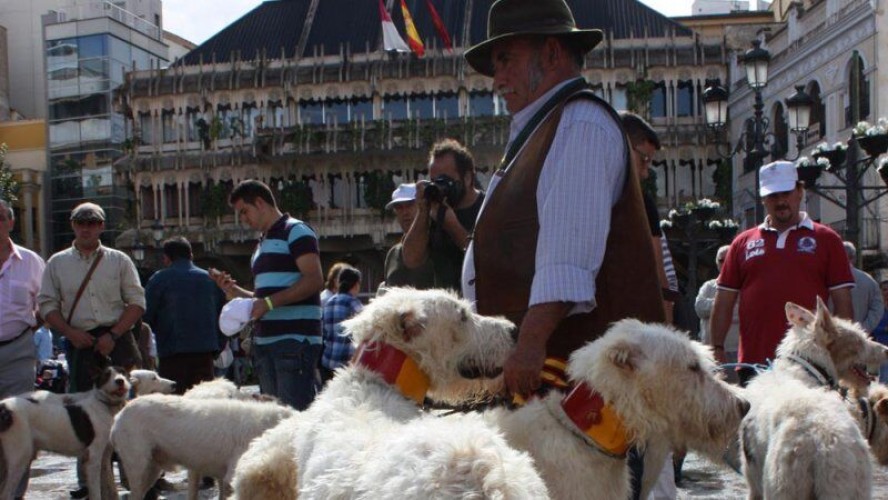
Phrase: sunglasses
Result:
[644,157]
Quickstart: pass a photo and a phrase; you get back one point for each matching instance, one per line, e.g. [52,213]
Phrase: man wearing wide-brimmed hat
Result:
[560,246]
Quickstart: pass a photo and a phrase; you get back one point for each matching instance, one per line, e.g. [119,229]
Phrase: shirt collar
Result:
[806,223]
[15,250]
[277,224]
[520,119]
[78,253]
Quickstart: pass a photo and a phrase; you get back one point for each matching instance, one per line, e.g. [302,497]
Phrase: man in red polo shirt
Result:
[788,258]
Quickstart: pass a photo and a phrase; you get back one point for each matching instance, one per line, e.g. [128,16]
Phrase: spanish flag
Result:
[413,38]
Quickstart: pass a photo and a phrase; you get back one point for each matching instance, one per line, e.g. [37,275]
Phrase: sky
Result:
[198,20]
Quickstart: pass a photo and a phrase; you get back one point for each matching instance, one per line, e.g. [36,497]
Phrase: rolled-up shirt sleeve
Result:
[130,288]
[582,178]
[48,299]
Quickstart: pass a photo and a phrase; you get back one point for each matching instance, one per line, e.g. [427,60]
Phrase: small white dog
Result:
[155,433]
[799,439]
[74,426]
[636,382]
[149,382]
[365,435]
[871,413]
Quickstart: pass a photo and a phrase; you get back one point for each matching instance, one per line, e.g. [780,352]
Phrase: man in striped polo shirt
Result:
[288,280]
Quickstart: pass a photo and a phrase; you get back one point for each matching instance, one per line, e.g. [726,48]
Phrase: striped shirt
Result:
[274,268]
[338,348]
[582,178]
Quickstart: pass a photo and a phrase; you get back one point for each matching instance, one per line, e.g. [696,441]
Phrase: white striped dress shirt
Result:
[581,180]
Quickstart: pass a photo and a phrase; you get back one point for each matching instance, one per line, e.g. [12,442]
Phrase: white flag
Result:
[391,40]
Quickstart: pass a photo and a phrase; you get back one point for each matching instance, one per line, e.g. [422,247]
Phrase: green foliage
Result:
[638,97]
[9,187]
[214,200]
[296,198]
[378,190]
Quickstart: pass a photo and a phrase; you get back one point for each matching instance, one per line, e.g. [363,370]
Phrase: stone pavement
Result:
[53,475]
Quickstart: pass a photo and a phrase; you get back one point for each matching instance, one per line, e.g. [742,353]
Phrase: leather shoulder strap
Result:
[85,282]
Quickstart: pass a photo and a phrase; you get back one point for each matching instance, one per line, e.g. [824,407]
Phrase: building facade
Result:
[299,94]
[88,49]
[832,49]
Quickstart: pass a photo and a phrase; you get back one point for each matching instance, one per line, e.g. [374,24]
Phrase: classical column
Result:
[180,197]
[163,208]
[188,203]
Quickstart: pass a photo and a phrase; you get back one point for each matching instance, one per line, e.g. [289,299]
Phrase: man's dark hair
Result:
[251,190]
[465,162]
[638,129]
[177,248]
[347,279]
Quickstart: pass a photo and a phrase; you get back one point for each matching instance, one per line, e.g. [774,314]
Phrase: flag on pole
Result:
[391,40]
[439,26]
[412,35]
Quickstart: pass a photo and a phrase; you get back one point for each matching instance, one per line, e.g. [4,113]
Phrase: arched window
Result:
[658,100]
[817,129]
[781,129]
[858,101]
[684,98]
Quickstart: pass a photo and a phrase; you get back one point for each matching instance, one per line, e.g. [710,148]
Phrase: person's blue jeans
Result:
[287,370]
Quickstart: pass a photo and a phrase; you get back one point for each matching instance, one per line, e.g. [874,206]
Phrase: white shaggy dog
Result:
[636,382]
[365,436]
[799,440]
[219,388]
[149,382]
[155,433]
[76,427]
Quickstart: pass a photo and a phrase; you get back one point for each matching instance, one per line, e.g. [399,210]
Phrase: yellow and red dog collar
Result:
[396,368]
[551,376]
[596,420]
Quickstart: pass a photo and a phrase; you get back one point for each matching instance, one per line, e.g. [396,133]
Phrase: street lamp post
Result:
[157,232]
[756,141]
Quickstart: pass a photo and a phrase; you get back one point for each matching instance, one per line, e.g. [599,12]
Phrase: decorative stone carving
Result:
[306,94]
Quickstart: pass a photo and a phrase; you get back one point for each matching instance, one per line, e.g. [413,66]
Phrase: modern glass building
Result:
[87,51]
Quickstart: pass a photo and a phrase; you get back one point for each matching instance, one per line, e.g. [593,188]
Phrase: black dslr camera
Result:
[441,188]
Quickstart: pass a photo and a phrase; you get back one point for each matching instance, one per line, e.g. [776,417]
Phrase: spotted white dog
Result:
[77,426]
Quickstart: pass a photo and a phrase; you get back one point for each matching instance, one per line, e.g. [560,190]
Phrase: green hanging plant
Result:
[722,179]
[214,200]
[295,197]
[378,190]
[638,97]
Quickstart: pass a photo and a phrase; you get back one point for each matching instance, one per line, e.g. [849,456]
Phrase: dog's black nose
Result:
[744,407]
[120,382]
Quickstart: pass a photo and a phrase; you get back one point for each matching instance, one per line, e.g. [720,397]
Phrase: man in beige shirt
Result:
[112,302]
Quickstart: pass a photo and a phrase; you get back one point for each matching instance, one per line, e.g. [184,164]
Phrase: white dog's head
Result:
[843,343]
[113,383]
[661,383]
[149,382]
[455,347]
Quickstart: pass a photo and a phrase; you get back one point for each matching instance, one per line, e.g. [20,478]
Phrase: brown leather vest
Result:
[505,245]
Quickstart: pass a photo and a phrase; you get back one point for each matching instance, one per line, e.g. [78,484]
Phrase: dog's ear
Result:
[412,324]
[626,356]
[798,315]
[881,408]
[823,325]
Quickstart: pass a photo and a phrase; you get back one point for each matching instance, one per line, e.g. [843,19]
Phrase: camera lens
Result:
[433,193]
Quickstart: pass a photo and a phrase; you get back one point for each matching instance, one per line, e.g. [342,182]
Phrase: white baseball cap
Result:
[235,316]
[401,194]
[777,177]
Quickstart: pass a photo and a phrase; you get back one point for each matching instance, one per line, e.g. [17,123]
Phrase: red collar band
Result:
[395,367]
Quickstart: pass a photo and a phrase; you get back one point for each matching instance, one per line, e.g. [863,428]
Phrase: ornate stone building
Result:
[822,45]
[301,95]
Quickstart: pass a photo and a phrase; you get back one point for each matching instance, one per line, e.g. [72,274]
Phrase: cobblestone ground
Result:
[53,475]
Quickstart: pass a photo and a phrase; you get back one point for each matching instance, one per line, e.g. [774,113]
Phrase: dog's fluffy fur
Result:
[873,424]
[799,440]
[157,432]
[362,439]
[658,381]
[219,388]
[75,426]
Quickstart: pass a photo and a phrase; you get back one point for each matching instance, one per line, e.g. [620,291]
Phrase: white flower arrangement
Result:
[707,203]
[666,223]
[803,162]
[865,129]
[715,224]
[824,147]
[823,162]
[730,223]
[672,214]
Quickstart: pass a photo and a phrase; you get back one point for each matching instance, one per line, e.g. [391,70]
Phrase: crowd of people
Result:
[563,243]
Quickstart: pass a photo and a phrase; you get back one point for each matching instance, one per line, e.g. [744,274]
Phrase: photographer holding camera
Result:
[447,207]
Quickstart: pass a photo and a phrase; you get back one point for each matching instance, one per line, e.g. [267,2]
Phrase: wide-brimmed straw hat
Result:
[509,18]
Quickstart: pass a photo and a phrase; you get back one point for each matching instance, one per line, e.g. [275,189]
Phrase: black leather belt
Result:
[6,342]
